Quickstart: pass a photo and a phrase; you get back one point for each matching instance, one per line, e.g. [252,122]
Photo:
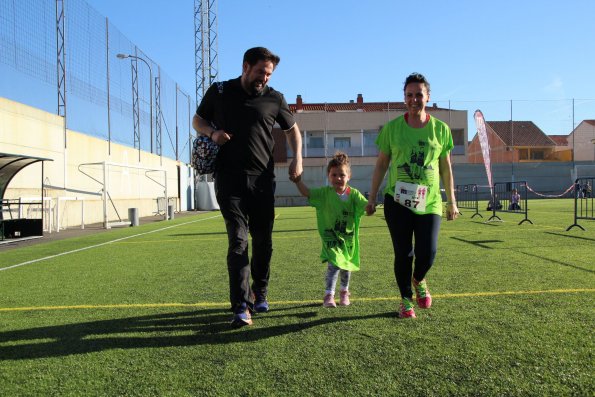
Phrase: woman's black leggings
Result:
[403,225]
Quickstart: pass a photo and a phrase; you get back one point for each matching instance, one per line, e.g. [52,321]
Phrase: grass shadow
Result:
[570,236]
[557,262]
[478,243]
[190,328]
[488,223]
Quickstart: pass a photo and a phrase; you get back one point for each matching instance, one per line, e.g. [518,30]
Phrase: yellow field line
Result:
[292,302]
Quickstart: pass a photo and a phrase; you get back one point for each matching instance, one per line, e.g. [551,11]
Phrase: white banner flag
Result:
[482,134]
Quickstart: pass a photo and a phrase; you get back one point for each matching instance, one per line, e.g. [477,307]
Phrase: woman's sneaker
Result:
[406,309]
[329,301]
[344,298]
[422,294]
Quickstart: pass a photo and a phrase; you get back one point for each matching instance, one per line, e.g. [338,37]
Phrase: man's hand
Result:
[221,137]
[295,170]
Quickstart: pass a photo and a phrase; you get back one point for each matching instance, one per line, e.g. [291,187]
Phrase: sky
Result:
[476,54]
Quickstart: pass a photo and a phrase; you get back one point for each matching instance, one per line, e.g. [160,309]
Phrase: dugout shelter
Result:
[14,221]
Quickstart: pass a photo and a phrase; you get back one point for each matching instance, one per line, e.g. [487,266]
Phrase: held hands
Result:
[452,211]
[295,171]
[370,207]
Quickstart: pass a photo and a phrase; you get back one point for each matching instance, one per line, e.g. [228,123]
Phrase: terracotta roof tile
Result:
[354,107]
[520,133]
[561,140]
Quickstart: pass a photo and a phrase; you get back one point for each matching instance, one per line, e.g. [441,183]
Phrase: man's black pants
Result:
[247,204]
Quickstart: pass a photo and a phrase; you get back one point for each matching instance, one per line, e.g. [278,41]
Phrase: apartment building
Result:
[353,127]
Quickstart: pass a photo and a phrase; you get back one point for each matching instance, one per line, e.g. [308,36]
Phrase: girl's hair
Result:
[338,160]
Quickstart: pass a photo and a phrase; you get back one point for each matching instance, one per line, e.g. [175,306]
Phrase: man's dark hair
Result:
[417,78]
[253,55]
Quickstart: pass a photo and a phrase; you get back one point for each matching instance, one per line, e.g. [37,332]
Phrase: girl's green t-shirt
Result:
[338,225]
[414,157]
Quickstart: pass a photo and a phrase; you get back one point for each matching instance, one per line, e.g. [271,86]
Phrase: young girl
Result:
[515,199]
[339,209]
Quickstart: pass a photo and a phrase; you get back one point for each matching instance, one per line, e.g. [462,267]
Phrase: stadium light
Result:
[124,56]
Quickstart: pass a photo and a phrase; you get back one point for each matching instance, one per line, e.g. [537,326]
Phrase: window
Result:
[458,150]
[537,155]
[315,142]
[523,154]
[370,138]
[458,136]
[342,143]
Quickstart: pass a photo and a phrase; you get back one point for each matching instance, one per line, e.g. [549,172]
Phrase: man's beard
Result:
[257,87]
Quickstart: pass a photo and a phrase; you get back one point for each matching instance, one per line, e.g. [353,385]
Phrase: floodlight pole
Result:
[573,134]
[190,135]
[178,89]
[177,133]
[511,143]
[124,56]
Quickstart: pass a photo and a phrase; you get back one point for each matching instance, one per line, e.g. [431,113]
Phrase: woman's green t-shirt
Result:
[414,157]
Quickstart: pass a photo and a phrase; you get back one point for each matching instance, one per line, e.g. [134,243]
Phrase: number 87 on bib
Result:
[411,195]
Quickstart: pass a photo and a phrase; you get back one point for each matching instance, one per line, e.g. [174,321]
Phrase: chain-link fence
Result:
[128,100]
[131,100]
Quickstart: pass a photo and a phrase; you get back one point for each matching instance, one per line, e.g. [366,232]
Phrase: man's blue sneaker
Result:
[261,305]
[241,317]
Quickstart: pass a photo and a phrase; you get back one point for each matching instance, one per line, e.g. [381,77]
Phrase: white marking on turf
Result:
[102,244]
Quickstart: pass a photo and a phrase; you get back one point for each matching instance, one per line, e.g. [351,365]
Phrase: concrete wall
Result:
[543,178]
[29,131]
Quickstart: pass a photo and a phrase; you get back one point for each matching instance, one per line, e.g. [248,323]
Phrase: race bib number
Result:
[411,195]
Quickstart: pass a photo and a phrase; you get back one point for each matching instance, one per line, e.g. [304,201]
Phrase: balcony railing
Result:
[368,151]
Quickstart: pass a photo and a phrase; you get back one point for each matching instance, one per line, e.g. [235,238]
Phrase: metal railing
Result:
[510,197]
[583,201]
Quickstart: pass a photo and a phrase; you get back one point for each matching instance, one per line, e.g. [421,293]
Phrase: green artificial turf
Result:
[147,315]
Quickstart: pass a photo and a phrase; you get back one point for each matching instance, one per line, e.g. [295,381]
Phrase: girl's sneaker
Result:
[406,309]
[422,294]
[329,301]
[344,299]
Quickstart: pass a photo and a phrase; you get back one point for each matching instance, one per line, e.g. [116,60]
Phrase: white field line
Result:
[102,244]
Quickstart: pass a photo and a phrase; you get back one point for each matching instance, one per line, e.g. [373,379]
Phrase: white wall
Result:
[581,138]
[29,131]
